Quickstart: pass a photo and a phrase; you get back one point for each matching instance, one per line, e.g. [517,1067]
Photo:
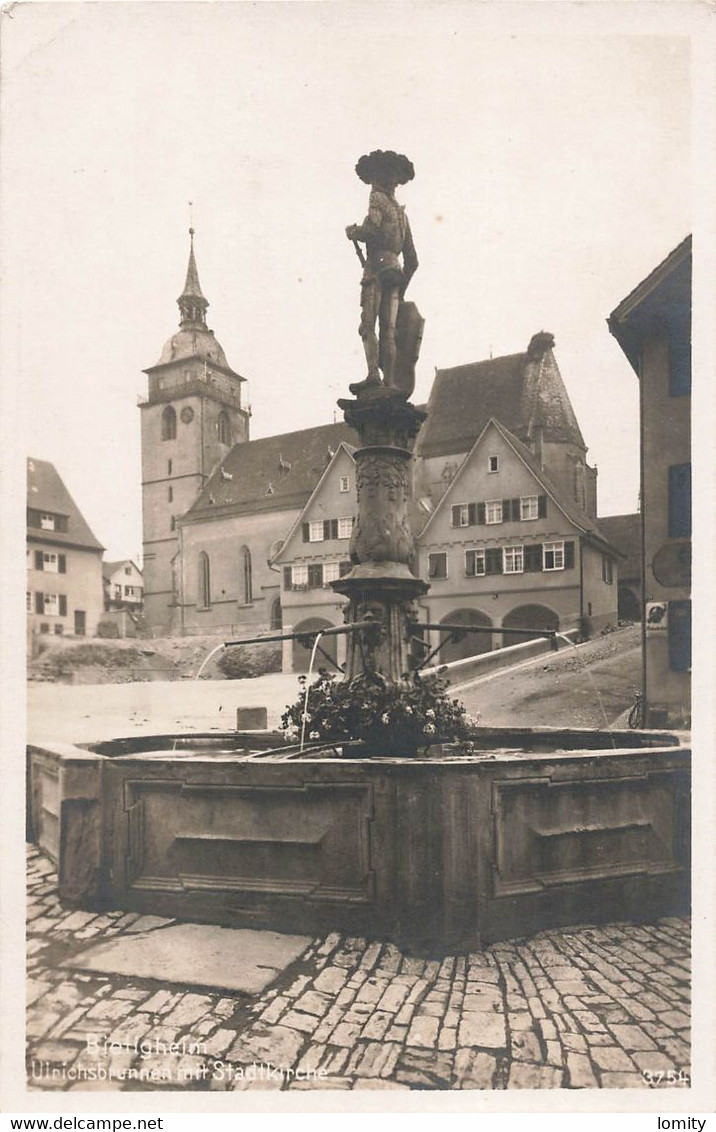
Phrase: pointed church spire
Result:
[192,304]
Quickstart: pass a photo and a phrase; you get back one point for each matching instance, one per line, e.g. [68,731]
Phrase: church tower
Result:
[191,418]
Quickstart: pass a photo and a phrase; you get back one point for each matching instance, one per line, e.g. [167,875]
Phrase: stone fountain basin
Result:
[539,828]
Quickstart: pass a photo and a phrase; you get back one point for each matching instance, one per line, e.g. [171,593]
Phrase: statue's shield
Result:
[408,336]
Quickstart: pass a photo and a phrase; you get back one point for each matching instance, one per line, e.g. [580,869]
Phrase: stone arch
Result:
[472,644]
[629,607]
[302,656]
[528,617]
[276,622]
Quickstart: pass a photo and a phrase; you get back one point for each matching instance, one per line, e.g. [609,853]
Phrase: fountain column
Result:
[382,585]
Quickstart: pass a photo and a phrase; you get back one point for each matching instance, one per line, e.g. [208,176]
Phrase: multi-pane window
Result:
[299,576]
[607,570]
[117,591]
[52,605]
[47,522]
[344,484]
[437,564]
[345,527]
[315,531]
[461,515]
[553,556]
[493,463]
[330,572]
[128,571]
[493,511]
[28,600]
[474,563]
[513,559]
[529,507]
[49,562]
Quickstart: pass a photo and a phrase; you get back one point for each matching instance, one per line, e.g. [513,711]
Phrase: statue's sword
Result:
[359,253]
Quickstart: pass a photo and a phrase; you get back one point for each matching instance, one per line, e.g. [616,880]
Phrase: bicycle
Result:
[635,718]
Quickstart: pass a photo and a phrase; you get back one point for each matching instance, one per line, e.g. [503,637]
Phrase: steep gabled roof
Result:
[46,492]
[109,568]
[342,447]
[271,474]
[661,300]
[522,391]
[568,506]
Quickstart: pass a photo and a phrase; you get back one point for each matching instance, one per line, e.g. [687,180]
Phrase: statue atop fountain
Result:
[383,585]
[387,238]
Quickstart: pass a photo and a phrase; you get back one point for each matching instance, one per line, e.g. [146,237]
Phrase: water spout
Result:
[206,659]
[595,689]
[308,678]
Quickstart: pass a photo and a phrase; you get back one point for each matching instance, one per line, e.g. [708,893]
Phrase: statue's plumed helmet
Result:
[374,167]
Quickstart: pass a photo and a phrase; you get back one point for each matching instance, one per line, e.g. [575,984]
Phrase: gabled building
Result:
[316,553]
[123,586]
[244,536]
[508,547]
[64,559]
[225,579]
[653,327]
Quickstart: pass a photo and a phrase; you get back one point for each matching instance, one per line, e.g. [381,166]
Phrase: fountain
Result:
[433,845]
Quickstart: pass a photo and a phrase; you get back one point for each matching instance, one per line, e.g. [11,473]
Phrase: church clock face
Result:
[187,414]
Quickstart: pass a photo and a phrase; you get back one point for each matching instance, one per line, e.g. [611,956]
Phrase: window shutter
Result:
[481,513]
[334,528]
[569,555]
[493,560]
[515,509]
[679,636]
[541,506]
[326,529]
[62,561]
[39,603]
[472,514]
[506,508]
[680,501]
[315,576]
[38,560]
[63,605]
[287,576]
[470,563]
[306,535]
[533,558]
[456,516]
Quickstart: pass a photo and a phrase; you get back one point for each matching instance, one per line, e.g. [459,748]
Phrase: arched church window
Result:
[224,428]
[204,581]
[169,424]
[246,583]
[276,614]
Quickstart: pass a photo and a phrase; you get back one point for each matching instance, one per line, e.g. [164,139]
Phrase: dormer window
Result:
[47,522]
[493,464]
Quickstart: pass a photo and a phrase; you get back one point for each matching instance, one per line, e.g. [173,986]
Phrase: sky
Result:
[552,158]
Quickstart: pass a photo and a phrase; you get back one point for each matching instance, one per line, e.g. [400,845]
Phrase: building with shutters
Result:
[653,327]
[64,559]
[123,586]
[246,535]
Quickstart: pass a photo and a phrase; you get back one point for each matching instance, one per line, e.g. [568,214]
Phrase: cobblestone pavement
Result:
[581,1008]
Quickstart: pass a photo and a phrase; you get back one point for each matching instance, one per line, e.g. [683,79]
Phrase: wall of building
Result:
[81,584]
[600,596]
[223,540]
[666,442]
